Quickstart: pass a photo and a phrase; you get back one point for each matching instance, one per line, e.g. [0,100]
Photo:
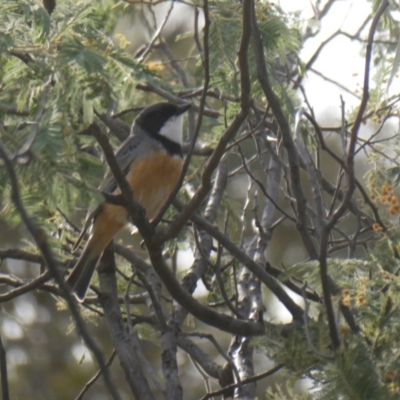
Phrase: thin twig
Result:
[157,34]
[255,378]
[211,338]
[217,271]
[92,381]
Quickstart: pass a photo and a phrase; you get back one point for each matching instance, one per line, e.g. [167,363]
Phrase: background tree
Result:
[270,217]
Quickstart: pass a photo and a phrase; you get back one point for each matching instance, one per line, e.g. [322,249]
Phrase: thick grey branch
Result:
[129,361]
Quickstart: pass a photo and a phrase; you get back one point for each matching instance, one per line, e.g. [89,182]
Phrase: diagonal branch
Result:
[41,241]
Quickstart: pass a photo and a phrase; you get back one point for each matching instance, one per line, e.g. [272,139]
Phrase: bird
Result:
[151,160]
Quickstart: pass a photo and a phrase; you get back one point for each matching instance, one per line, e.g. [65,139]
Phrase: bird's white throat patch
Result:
[172,129]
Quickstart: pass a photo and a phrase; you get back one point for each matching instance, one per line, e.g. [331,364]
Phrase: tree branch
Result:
[109,299]
[40,239]
[5,393]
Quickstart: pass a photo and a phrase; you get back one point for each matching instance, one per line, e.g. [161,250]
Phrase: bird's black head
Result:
[163,119]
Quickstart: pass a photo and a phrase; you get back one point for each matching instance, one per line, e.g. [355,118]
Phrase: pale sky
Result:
[341,60]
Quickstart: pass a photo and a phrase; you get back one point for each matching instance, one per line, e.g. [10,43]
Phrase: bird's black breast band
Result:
[173,148]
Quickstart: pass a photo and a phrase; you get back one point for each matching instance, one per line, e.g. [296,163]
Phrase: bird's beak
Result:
[183,108]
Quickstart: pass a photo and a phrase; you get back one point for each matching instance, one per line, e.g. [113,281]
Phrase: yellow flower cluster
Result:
[391,378]
[360,298]
[376,227]
[346,297]
[386,197]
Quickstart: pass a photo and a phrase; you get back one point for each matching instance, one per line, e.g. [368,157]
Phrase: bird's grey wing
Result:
[91,214]
[125,155]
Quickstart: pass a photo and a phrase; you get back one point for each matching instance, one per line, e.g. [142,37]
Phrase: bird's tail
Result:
[108,220]
[81,275]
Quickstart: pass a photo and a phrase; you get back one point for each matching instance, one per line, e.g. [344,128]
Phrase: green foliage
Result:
[353,376]
[364,366]
[225,35]
[294,352]
[280,392]
[55,74]
[280,38]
